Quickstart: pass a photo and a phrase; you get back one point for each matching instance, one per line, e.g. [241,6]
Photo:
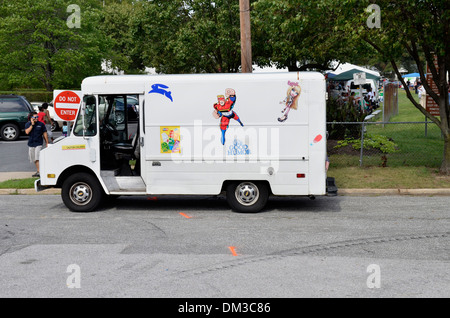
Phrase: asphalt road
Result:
[395,246]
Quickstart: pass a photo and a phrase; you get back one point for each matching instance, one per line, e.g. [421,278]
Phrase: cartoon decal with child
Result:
[291,100]
[223,109]
[170,139]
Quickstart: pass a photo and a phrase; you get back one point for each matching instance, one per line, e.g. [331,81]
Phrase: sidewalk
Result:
[365,192]
[4,176]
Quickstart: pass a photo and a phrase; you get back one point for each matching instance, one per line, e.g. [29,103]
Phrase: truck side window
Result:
[90,116]
[118,117]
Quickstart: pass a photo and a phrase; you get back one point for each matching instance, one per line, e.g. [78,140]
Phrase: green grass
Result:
[388,178]
[406,110]
[18,183]
[418,144]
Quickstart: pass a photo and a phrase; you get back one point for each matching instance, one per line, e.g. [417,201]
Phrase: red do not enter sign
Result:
[66,105]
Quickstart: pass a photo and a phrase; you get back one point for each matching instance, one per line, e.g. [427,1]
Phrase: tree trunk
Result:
[445,167]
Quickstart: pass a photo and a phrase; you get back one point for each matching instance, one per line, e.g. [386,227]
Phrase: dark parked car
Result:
[14,111]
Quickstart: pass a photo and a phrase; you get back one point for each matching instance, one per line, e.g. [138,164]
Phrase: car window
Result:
[13,105]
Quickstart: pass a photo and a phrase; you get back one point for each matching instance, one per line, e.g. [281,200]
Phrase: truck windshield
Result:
[90,123]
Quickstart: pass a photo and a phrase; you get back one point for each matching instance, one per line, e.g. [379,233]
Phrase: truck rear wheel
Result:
[82,192]
[249,197]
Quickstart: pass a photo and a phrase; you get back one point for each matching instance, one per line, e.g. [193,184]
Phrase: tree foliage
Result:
[191,36]
[301,35]
[121,24]
[39,49]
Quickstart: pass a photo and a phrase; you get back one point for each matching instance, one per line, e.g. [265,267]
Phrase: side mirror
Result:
[83,108]
[83,112]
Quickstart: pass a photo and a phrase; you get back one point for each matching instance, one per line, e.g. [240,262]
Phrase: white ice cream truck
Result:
[246,135]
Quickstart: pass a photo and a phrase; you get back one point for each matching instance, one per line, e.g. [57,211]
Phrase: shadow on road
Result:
[217,204]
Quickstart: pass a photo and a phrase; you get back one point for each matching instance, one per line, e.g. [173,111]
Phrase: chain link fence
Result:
[385,144]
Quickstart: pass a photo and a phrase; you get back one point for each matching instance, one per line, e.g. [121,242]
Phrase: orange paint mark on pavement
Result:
[185,215]
[233,250]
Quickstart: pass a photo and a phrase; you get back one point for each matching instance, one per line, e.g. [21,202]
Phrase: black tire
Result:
[55,126]
[247,196]
[81,192]
[10,132]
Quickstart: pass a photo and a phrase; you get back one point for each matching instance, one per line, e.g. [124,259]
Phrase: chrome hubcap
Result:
[247,193]
[80,193]
[9,133]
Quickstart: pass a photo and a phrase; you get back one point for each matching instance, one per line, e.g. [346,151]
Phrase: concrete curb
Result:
[341,192]
[378,192]
[29,191]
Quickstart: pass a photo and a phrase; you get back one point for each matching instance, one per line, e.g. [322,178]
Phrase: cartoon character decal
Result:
[291,100]
[162,90]
[170,139]
[223,109]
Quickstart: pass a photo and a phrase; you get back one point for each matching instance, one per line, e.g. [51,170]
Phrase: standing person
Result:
[352,99]
[449,92]
[418,84]
[41,115]
[422,96]
[368,98]
[47,121]
[64,129]
[37,135]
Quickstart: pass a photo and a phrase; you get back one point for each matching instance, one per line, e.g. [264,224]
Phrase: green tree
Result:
[192,36]
[302,35]
[41,44]
[122,25]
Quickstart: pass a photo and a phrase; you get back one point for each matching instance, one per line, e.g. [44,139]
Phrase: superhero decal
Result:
[223,109]
[291,100]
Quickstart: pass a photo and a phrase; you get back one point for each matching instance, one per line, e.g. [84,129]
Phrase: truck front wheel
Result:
[82,192]
[247,196]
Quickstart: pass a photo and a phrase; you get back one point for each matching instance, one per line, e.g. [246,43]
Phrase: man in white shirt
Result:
[422,96]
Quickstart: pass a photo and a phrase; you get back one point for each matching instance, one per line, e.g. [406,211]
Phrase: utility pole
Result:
[246,40]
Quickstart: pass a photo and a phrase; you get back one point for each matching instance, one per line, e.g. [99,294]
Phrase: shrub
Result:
[378,142]
[338,111]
